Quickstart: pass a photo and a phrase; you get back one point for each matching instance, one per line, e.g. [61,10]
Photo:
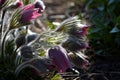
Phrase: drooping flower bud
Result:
[84,45]
[19,4]
[79,62]
[2,2]
[40,5]
[38,67]
[79,32]
[20,40]
[29,15]
[31,38]
[59,58]
[84,31]
[75,45]
[24,16]
[26,53]
[28,7]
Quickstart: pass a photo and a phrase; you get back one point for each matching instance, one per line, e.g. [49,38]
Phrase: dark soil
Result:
[104,68]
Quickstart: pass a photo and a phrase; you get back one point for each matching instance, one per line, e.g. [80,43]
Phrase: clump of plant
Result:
[105,34]
[26,56]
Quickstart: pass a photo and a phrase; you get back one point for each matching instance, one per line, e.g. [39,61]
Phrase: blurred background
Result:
[59,10]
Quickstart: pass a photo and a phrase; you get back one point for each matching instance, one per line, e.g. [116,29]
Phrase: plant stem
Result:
[2,20]
[3,45]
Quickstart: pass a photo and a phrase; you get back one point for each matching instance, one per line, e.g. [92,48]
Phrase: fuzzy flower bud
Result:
[28,7]
[26,52]
[59,58]
[29,15]
[20,40]
[75,45]
[19,4]
[40,5]
[2,2]
[78,61]
[84,31]
[24,16]
[79,32]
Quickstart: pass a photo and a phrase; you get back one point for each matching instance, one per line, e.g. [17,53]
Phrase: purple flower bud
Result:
[28,7]
[79,62]
[20,40]
[40,5]
[84,45]
[19,4]
[29,15]
[84,31]
[31,38]
[26,53]
[59,58]
[74,45]
[2,1]
[81,32]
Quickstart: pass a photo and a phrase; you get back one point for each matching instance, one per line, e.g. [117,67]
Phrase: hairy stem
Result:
[3,45]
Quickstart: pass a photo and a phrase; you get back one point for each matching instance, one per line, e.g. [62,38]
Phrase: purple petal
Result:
[59,58]
[29,15]
[28,7]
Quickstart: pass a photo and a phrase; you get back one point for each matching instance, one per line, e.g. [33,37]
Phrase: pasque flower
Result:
[39,4]
[2,1]
[78,61]
[73,44]
[79,32]
[20,40]
[59,58]
[19,4]
[29,13]
[24,16]
[26,53]
[28,7]
[84,31]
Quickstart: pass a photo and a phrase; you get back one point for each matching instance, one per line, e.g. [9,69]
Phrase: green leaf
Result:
[110,2]
[50,25]
[117,40]
[89,3]
[114,30]
[98,23]
[42,52]
[56,77]
[99,51]
[112,15]
[27,1]
[9,48]
[80,16]
[101,8]
[118,20]
[113,2]
[94,30]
